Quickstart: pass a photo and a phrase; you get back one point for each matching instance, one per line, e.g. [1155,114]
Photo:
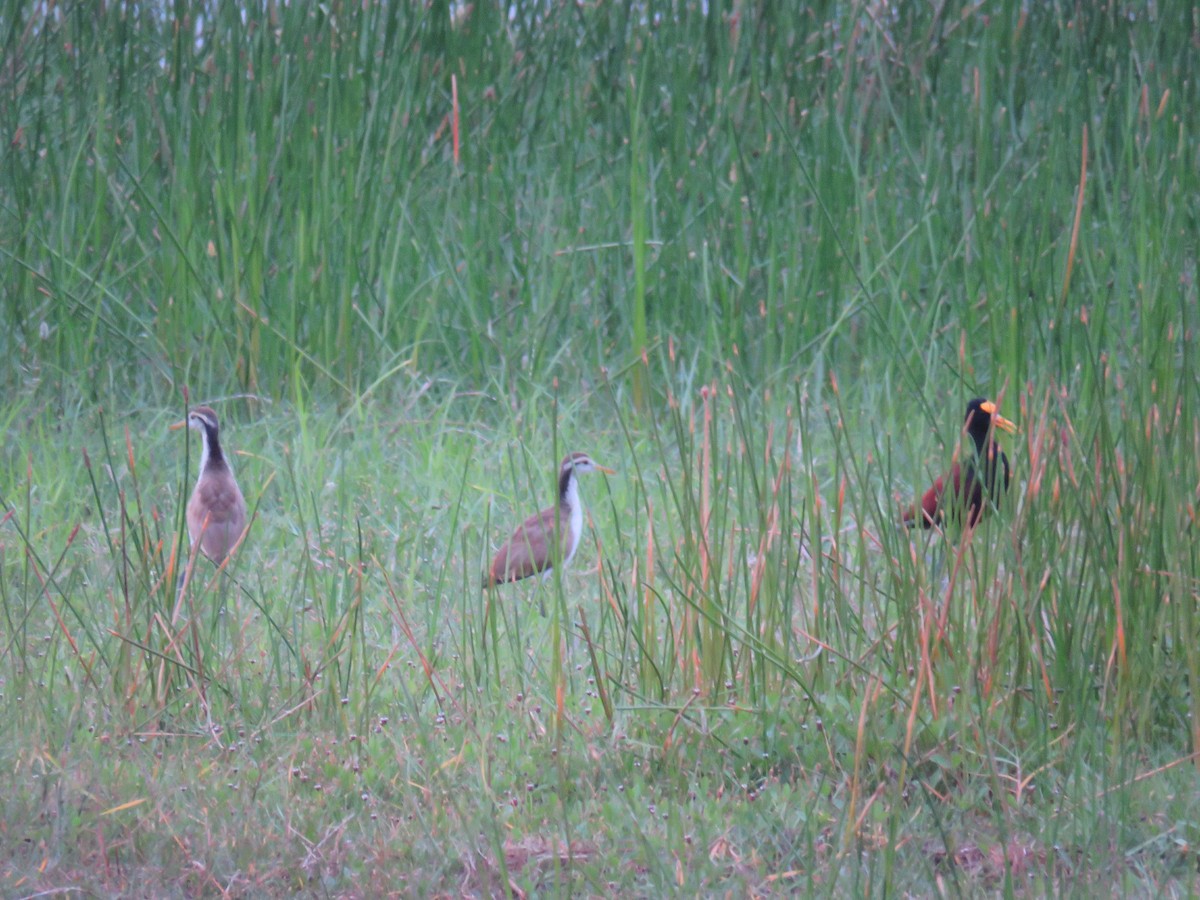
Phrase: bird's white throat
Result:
[574,527]
[204,452]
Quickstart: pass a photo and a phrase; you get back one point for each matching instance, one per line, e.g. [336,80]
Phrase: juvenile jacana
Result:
[216,513]
[976,483]
[530,549]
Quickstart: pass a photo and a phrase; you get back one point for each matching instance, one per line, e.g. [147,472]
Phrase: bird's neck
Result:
[568,489]
[986,449]
[570,513]
[981,442]
[211,456]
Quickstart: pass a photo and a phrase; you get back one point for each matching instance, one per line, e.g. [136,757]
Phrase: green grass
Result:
[757,260]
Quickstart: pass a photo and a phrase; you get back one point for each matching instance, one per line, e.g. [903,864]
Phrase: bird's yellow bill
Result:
[177,425]
[998,420]
[1004,425]
[605,469]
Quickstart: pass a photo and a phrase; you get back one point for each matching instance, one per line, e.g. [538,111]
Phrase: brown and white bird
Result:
[974,485]
[216,513]
[530,549]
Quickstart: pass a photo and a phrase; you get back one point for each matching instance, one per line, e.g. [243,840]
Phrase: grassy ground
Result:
[756,259]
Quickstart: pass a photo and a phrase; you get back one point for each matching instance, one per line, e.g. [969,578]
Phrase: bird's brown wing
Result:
[932,507]
[519,556]
[216,518]
[962,497]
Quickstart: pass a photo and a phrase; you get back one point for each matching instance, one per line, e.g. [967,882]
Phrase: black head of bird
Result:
[974,484]
[530,549]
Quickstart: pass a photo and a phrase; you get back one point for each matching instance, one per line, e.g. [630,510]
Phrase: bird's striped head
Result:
[579,463]
[199,418]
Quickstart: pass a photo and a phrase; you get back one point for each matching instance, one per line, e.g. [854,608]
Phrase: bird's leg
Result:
[184,579]
[541,587]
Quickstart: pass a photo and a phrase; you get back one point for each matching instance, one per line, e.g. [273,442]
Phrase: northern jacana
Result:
[974,484]
[530,549]
[216,513]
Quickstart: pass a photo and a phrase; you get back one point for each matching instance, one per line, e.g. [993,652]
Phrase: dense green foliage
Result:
[754,256]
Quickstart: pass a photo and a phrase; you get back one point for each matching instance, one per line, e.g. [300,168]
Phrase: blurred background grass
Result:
[756,257]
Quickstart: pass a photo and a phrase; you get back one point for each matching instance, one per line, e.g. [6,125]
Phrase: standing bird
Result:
[975,484]
[216,513]
[529,550]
